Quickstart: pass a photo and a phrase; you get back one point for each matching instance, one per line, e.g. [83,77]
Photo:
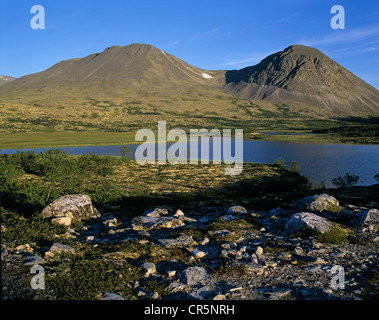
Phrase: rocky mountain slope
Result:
[304,76]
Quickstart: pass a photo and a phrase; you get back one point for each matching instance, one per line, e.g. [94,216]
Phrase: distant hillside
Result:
[5,79]
[304,76]
[124,88]
[133,67]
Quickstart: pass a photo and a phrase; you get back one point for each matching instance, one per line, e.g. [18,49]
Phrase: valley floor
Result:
[97,138]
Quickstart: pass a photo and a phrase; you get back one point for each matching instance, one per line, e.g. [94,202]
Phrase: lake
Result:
[320,162]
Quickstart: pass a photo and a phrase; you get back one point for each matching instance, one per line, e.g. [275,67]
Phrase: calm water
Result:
[320,162]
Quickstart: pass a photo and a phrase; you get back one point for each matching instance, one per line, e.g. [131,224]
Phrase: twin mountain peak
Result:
[298,75]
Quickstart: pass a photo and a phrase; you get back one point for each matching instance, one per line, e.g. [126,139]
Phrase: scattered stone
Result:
[219,232]
[204,242]
[110,222]
[58,248]
[259,251]
[24,248]
[367,217]
[202,293]
[184,241]
[253,268]
[313,260]
[141,293]
[284,255]
[303,220]
[77,207]
[31,260]
[316,203]
[171,273]
[224,254]
[156,213]
[149,267]
[198,254]
[319,261]
[111,296]
[153,220]
[279,294]
[237,209]
[178,213]
[194,275]
[228,217]
[155,295]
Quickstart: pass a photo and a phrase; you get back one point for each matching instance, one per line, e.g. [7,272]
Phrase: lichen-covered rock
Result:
[111,296]
[183,241]
[58,248]
[316,203]
[156,213]
[303,220]
[149,267]
[194,275]
[76,206]
[237,209]
[159,219]
[150,223]
[367,217]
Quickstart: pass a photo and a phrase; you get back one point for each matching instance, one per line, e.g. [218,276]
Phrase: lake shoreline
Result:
[87,138]
[319,161]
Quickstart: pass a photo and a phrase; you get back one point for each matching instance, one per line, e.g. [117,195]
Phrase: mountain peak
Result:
[296,76]
[304,75]
[133,48]
[299,48]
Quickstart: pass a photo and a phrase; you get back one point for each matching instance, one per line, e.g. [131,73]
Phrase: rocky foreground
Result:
[319,250]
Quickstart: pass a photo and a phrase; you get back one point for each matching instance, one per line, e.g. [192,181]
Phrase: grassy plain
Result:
[63,139]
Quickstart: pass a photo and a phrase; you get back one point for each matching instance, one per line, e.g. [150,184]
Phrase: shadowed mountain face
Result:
[303,76]
[298,76]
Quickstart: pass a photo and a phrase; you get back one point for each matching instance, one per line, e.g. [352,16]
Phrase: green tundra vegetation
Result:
[32,180]
[29,181]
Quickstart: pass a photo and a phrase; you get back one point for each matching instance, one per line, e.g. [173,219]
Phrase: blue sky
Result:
[208,34]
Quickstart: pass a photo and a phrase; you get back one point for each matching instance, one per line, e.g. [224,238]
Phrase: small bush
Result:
[124,151]
[348,180]
[293,167]
[280,163]
[157,286]
[81,279]
[336,235]
[53,173]
[23,230]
